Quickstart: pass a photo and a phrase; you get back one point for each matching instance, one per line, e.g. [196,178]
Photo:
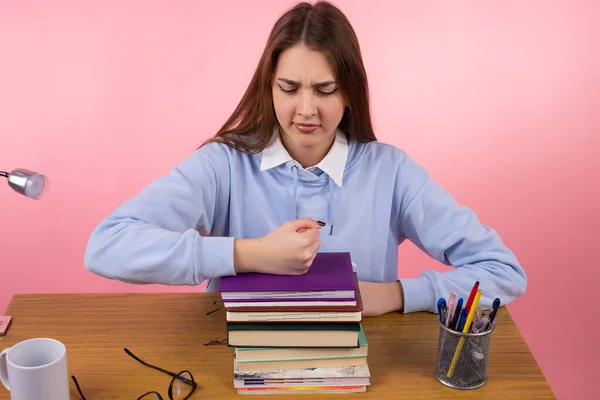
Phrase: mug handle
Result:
[4,368]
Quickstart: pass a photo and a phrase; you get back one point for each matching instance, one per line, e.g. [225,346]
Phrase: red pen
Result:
[472,297]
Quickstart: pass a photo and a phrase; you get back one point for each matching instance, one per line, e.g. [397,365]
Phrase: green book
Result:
[292,335]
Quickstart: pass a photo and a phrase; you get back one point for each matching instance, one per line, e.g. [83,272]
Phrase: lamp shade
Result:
[31,184]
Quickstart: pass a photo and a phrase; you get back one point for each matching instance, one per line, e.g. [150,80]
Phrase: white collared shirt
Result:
[333,164]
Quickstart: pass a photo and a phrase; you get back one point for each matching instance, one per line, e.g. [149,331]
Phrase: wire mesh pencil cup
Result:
[462,358]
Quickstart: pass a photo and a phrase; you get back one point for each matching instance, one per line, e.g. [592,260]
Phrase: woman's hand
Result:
[288,250]
[380,298]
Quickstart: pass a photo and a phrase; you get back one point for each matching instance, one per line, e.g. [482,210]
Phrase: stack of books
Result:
[297,333]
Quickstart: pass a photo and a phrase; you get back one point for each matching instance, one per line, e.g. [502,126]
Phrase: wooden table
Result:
[168,330]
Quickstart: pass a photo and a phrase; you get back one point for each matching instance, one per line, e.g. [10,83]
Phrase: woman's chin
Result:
[314,139]
[307,140]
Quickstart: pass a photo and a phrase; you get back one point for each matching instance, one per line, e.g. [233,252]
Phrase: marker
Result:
[472,296]
[473,309]
[494,311]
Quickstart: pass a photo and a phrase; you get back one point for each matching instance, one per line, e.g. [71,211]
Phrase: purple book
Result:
[329,272]
[295,299]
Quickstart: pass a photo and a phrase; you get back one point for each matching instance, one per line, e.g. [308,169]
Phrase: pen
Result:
[494,311]
[481,325]
[478,315]
[472,296]
[462,320]
[444,312]
[441,309]
[451,305]
[456,314]
[476,318]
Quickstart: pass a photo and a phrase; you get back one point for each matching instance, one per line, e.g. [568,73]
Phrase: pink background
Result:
[500,101]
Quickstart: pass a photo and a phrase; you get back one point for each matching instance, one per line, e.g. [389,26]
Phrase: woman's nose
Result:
[307,107]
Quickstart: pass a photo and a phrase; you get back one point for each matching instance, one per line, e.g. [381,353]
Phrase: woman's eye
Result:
[328,92]
[287,90]
[294,90]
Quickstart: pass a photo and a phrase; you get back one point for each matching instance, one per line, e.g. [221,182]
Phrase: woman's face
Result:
[307,101]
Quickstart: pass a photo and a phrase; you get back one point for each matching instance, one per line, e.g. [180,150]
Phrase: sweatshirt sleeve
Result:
[162,235]
[453,235]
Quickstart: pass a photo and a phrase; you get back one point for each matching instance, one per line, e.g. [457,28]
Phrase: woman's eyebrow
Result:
[317,85]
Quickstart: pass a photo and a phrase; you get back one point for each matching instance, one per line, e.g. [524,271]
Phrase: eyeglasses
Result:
[182,384]
[216,309]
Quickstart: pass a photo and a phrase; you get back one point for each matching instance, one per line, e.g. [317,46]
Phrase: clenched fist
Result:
[288,250]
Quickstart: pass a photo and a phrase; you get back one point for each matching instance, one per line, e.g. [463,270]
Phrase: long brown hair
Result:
[322,27]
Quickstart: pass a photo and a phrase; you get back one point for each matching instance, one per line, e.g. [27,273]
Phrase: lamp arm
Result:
[4,174]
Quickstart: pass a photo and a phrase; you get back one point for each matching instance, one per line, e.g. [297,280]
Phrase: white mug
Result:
[35,369]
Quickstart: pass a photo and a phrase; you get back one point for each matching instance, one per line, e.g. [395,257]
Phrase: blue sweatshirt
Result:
[180,229]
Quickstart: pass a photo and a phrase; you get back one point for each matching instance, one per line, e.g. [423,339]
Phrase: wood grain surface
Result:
[169,330]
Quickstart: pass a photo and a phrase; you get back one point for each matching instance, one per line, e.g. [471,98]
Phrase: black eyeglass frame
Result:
[175,376]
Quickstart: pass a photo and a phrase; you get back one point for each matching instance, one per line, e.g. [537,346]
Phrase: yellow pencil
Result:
[465,330]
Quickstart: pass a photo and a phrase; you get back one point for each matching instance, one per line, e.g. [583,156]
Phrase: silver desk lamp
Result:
[27,183]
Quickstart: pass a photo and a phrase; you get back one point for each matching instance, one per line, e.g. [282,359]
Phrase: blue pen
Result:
[441,308]
[462,320]
[444,313]
[456,314]
[494,311]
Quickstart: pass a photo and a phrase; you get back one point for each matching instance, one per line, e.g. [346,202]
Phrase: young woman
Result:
[297,170]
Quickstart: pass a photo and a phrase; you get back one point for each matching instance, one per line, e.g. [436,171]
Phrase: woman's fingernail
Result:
[321,223]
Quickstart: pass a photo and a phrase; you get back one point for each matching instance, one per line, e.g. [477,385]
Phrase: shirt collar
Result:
[333,164]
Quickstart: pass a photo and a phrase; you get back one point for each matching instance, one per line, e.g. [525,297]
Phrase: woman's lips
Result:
[306,128]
